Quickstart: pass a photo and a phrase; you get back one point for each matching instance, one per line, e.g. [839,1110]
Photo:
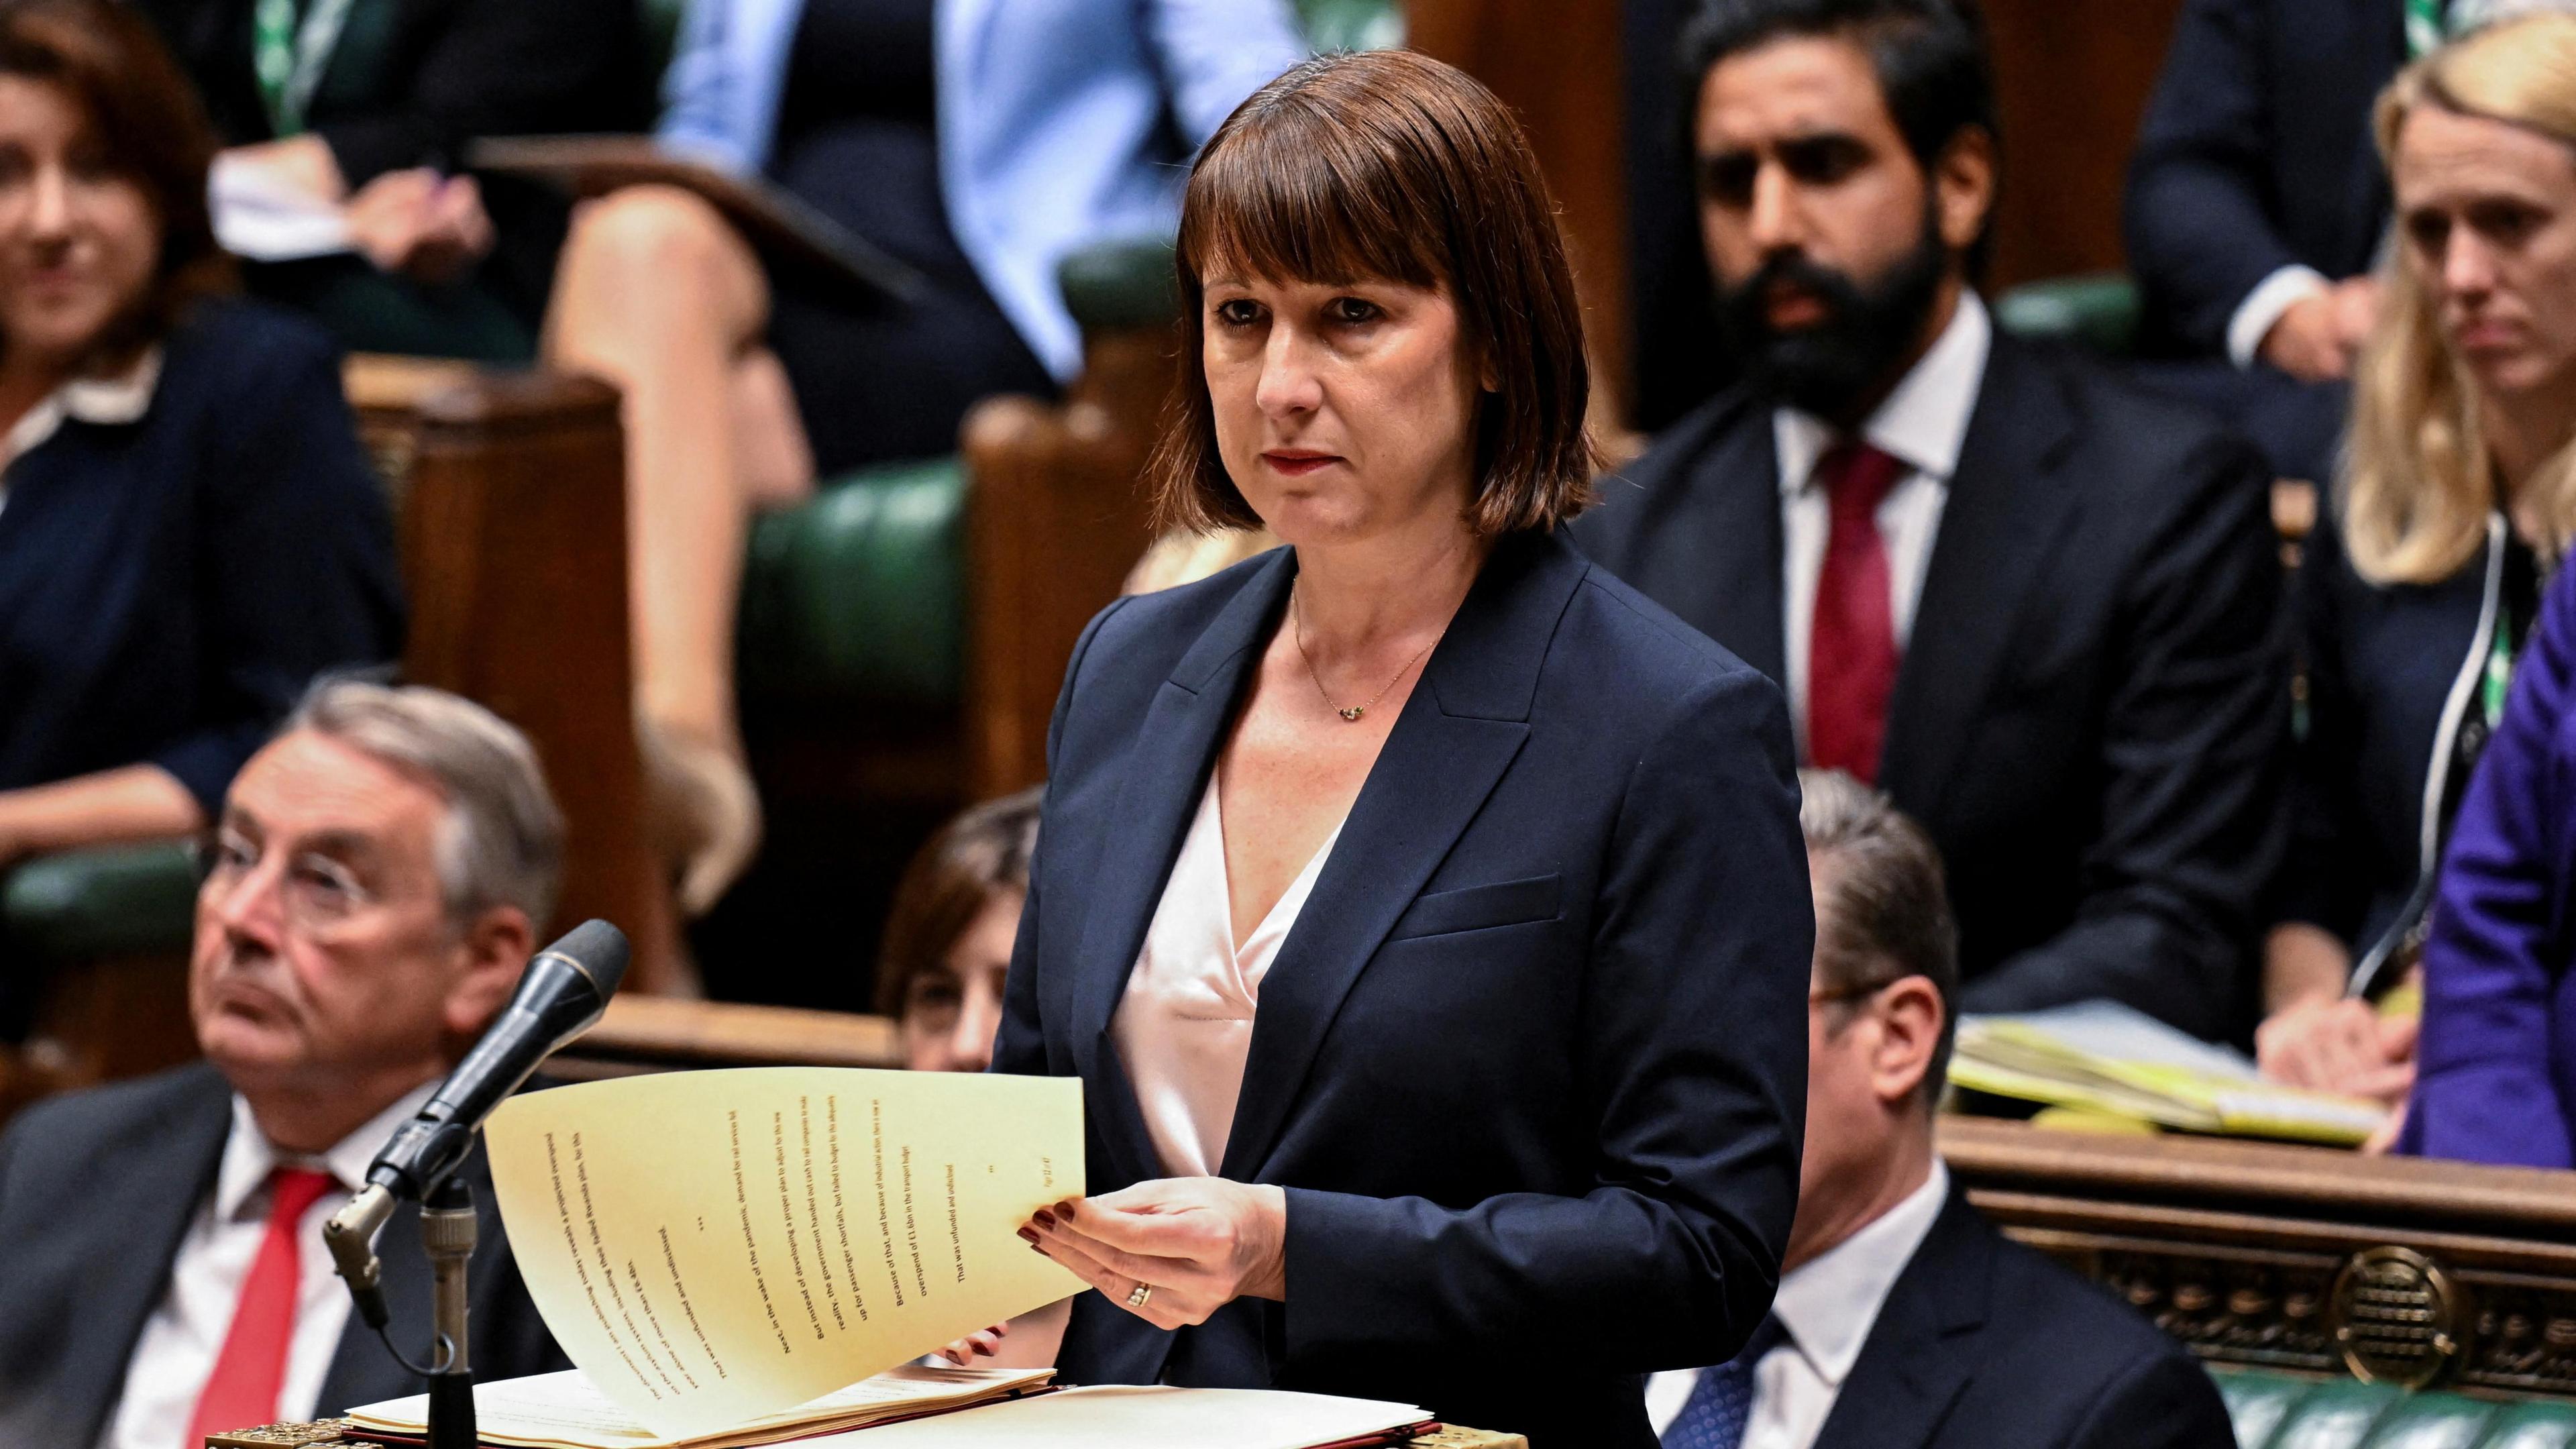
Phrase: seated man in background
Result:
[2034,604]
[1902,1317]
[948,940]
[369,105]
[189,530]
[371,896]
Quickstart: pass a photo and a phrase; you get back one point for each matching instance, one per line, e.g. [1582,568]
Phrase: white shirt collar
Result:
[123,398]
[1923,422]
[1830,1302]
[249,1157]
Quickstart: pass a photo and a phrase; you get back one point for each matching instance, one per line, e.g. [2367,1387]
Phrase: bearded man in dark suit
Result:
[2034,604]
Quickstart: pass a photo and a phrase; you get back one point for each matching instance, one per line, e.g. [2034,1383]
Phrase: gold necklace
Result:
[1297,626]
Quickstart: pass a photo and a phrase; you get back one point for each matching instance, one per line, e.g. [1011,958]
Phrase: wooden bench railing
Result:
[658,1034]
[509,488]
[2305,1259]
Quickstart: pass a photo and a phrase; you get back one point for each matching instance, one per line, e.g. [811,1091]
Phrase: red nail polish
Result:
[1028,1237]
[1045,1219]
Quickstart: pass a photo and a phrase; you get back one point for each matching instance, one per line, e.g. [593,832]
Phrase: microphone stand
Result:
[447,1236]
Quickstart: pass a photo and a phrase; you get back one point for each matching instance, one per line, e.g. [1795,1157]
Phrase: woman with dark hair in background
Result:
[1424,911]
[189,531]
[947,947]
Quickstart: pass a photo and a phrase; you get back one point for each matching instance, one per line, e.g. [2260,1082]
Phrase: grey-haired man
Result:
[372,892]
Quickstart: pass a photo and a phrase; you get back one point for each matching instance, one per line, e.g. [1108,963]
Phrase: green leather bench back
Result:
[858,595]
[2279,1411]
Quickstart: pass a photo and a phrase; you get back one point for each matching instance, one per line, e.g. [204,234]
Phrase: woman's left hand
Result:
[1194,1243]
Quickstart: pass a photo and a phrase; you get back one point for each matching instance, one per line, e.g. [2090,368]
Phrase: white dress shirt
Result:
[184,1334]
[124,398]
[1922,425]
[1828,1304]
[2278,293]
[1184,1028]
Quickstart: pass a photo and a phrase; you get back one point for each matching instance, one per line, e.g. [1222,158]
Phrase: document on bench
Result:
[714,1247]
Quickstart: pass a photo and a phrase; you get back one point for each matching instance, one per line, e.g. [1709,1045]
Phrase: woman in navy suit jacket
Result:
[1497,1105]
[189,531]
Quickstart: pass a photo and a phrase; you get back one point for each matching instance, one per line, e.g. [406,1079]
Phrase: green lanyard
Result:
[2423,28]
[288,59]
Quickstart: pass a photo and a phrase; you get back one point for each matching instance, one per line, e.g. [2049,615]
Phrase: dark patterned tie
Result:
[1722,1401]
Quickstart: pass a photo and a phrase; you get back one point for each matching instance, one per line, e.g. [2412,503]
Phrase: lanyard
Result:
[2424,30]
[289,60]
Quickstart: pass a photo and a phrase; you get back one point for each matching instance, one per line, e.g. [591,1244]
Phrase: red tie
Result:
[1851,650]
[242,1391]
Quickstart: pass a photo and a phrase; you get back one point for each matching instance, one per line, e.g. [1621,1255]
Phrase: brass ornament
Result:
[2398,1318]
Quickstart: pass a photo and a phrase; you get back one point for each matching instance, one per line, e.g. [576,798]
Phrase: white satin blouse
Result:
[1184,1027]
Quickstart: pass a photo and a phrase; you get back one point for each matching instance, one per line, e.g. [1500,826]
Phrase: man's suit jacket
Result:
[2091,717]
[1532,1064]
[1984,1344]
[2255,153]
[96,1191]
[412,82]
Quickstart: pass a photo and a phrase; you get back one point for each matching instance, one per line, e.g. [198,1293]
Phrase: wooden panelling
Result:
[1055,518]
[1558,65]
[2301,1258]
[2071,79]
[512,513]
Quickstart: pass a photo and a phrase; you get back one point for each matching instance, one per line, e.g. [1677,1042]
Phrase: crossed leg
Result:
[657,294]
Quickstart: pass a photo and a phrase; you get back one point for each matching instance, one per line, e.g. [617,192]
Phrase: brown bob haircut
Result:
[146,119]
[1388,165]
[975,857]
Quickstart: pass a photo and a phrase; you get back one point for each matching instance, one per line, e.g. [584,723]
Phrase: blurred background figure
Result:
[947,950]
[2458,496]
[948,938]
[188,529]
[1903,1317]
[2462,500]
[977,142]
[346,123]
[372,892]
[2033,602]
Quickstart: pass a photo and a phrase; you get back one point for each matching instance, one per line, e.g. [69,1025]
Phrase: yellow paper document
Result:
[710,1247]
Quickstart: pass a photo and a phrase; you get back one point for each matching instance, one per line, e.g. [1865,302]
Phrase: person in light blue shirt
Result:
[976,141]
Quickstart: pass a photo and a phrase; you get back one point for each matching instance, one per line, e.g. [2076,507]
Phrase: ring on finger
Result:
[1142,1292]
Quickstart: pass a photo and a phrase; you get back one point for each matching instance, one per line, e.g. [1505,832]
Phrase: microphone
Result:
[563,991]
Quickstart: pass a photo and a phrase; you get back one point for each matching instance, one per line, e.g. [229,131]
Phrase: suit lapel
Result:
[161,1184]
[1920,1351]
[1457,735]
[2006,507]
[1735,485]
[1175,750]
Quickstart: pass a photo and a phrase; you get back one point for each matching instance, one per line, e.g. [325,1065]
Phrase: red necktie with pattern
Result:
[251,1368]
[1851,648]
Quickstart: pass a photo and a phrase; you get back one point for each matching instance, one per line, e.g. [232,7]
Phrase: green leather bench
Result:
[2280,1411]
[2098,310]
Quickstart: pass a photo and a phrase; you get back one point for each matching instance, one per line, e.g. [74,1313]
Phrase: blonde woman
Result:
[2457,495]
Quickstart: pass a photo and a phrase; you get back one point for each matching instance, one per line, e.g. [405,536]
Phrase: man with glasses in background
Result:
[1902,1317]
[371,895]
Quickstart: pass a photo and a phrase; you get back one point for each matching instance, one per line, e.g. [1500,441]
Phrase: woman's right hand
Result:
[2338,1044]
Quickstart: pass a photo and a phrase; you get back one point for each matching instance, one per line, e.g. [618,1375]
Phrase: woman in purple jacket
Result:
[2496,1077]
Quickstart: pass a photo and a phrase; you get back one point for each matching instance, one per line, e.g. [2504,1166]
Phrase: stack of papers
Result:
[565,1411]
[2105,1057]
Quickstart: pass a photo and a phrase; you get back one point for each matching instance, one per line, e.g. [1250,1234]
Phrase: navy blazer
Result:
[1532,1063]
[169,586]
[2382,665]
[97,1189]
[1985,1344]
[2255,153]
